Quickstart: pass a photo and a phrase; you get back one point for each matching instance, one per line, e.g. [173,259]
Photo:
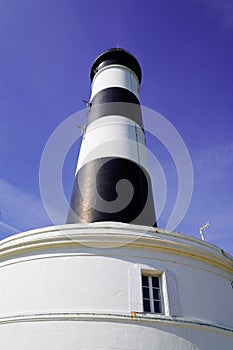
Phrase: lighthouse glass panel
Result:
[151,291]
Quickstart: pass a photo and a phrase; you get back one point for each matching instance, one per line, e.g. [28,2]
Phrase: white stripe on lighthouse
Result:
[115,76]
[114,136]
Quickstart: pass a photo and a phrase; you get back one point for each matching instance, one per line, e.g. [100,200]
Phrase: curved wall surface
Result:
[79,287]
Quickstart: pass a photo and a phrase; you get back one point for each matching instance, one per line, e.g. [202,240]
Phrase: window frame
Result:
[170,295]
[151,288]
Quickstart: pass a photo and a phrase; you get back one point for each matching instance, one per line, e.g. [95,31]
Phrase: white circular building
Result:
[87,286]
[110,279]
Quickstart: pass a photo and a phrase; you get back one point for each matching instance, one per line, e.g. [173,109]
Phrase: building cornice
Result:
[113,235]
[118,317]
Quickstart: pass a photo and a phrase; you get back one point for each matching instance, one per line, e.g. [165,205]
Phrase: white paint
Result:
[62,288]
[136,300]
[171,293]
[115,76]
[113,136]
[110,334]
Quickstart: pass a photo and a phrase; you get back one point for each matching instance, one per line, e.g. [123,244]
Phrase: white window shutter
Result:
[135,280]
[172,294]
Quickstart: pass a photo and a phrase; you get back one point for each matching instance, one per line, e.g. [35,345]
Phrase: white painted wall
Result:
[113,136]
[115,76]
[69,288]
[109,334]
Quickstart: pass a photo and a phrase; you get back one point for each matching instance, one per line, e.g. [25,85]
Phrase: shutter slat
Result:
[172,293]
[135,290]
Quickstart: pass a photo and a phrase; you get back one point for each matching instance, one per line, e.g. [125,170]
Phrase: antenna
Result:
[202,228]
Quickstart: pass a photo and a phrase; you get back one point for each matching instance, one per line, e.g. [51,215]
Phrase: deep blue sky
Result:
[186,53]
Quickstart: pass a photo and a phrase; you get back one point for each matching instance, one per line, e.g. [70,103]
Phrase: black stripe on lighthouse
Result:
[115,101]
[104,175]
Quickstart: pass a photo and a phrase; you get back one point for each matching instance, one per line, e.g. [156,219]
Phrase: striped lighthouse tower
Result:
[114,285]
[112,181]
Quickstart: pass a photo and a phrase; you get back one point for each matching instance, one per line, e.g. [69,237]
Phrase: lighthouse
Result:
[110,279]
[112,181]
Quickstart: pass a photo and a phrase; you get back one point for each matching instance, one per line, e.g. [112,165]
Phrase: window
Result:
[151,292]
[154,291]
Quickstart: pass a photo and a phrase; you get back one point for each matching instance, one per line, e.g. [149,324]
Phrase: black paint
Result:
[115,101]
[104,174]
[116,56]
